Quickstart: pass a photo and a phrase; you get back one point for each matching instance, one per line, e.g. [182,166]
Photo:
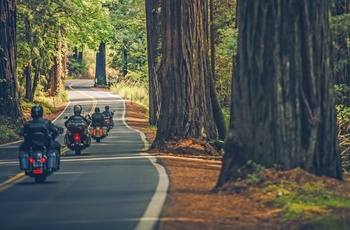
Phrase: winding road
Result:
[113,184]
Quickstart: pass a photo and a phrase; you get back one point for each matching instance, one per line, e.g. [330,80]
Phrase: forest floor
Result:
[193,203]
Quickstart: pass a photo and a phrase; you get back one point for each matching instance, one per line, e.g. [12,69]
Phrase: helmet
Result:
[77,109]
[107,107]
[37,111]
[97,109]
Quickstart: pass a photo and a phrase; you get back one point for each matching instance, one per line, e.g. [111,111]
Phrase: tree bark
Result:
[217,111]
[101,65]
[57,68]
[9,99]
[283,111]
[186,109]
[152,23]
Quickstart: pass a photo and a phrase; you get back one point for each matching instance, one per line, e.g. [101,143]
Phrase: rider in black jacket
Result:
[108,115]
[97,118]
[37,123]
[80,123]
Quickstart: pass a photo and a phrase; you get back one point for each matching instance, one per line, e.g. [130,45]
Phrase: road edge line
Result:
[154,209]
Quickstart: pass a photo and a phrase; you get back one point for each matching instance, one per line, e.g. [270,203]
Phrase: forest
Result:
[264,84]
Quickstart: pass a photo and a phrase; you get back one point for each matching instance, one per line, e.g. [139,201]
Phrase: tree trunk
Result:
[152,21]
[283,112]
[9,99]
[56,70]
[217,111]
[186,109]
[101,65]
[37,73]
[28,69]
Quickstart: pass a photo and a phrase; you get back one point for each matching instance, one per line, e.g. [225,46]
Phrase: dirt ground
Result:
[192,202]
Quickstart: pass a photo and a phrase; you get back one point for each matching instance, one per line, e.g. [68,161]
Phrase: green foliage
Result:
[129,46]
[77,67]
[226,48]
[343,117]
[340,25]
[134,91]
[7,133]
[48,103]
[342,93]
[307,201]
[44,24]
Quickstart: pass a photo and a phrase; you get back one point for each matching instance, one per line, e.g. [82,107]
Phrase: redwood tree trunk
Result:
[9,99]
[101,65]
[185,73]
[283,112]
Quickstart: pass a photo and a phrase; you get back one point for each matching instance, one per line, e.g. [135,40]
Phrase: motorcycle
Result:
[39,161]
[108,124]
[77,138]
[98,132]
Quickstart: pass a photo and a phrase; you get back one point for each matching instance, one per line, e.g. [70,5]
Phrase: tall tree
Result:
[217,111]
[9,99]
[184,73]
[100,74]
[283,112]
[152,24]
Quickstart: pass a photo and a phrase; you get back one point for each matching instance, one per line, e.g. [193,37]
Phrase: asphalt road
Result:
[113,184]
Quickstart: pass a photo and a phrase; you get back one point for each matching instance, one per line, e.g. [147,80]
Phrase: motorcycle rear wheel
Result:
[77,151]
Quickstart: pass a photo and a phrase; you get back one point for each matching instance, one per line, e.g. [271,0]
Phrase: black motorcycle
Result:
[77,137]
[39,161]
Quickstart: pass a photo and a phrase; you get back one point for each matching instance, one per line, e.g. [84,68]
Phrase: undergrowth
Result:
[10,128]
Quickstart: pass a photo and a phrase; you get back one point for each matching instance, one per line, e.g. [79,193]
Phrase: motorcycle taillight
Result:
[107,122]
[77,137]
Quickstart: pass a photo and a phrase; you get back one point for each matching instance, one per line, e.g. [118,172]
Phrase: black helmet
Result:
[77,109]
[37,111]
[107,107]
[97,109]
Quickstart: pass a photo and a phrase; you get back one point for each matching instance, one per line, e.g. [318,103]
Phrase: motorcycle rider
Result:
[109,115]
[97,118]
[77,120]
[38,122]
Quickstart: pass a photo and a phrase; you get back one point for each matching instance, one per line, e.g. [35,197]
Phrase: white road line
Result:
[154,209]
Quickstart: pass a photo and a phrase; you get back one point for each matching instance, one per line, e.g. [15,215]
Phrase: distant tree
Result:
[152,24]
[283,113]
[184,75]
[9,99]
[100,74]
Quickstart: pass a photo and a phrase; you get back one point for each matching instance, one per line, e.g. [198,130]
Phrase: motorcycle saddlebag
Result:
[104,129]
[24,160]
[52,161]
